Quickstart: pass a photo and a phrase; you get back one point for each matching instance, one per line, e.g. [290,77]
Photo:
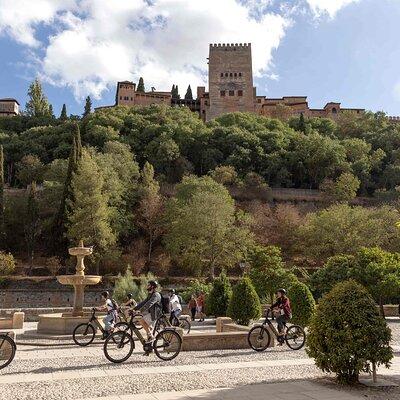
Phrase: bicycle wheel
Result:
[259,338]
[185,325]
[118,347]
[7,350]
[295,337]
[167,344]
[83,334]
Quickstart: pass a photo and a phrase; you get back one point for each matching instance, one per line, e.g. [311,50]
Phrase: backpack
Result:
[165,304]
[115,305]
[180,299]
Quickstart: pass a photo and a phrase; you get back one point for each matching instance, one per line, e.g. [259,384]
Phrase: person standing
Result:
[200,306]
[175,308]
[193,306]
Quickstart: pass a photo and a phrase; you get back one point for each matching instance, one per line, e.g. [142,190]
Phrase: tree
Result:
[2,202]
[38,105]
[140,86]
[346,334]
[224,174]
[30,169]
[302,303]
[204,231]
[151,208]
[175,92]
[89,215]
[342,190]
[88,107]
[267,271]
[7,263]
[189,95]
[59,228]
[219,297]
[244,305]
[32,225]
[63,115]
[302,123]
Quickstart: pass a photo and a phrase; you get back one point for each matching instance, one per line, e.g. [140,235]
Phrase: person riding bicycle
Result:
[112,313]
[150,308]
[282,306]
[130,301]
[175,307]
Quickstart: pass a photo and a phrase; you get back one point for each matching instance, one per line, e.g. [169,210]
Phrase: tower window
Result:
[235,74]
[231,93]
[222,74]
[222,93]
[240,92]
[240,74]
[226,74]
[120,97]
[231,74]
[334,111]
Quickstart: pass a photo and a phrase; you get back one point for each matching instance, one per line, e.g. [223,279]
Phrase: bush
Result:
[302,302]
[244,305]
[196,286]
[7,263]
[346,333]
[218,299]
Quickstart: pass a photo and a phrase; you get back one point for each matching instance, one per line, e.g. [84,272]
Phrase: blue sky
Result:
[329,50]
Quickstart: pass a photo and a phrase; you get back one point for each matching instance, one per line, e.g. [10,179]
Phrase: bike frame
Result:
[268,322]
[94,321]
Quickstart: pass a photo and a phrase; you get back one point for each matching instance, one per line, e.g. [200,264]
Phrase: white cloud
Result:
[94,43]
[330,7]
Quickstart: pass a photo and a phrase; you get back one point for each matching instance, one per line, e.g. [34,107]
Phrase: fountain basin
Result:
[79,279]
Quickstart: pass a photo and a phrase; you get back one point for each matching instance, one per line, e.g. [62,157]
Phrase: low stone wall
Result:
[215,341]
[32,314]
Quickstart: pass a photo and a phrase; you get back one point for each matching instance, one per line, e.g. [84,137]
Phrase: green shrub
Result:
[302,302]
[7,263]
[346,333]
[244,305]
[126,283]
[218,299]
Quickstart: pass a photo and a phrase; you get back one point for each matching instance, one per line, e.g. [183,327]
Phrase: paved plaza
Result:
[63,371]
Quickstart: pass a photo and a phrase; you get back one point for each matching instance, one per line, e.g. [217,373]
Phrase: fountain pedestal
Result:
[66,322]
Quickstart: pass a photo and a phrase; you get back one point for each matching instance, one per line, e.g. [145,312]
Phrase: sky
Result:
[328,50]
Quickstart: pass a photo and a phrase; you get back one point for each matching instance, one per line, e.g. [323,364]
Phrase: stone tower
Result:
[230,77]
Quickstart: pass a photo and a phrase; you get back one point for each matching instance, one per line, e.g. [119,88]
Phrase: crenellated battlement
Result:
[230,46]
[394,119]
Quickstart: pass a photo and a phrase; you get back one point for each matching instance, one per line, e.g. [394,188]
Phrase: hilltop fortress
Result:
[231,89]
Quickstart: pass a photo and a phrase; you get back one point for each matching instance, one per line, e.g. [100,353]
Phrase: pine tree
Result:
[32,223]
[88,107]
[60,241]
[140,86]
[89,214]
[2,222]
[38,105]
[63,115]
[189,95]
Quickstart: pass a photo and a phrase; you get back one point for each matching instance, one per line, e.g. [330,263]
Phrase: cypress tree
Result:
[32,223]
[51,112]
[88,107]
[189,95]
[2,222]
[60,241]
[63,115]
[302,123]
[177,92]
[140,86]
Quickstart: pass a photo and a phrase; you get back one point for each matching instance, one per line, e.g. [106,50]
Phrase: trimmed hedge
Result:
[302,302]
[218,299]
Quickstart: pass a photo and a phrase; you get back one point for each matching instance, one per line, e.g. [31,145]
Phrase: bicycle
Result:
[259,337]
[8,349]
[84,333]
[119,346]
[163,322]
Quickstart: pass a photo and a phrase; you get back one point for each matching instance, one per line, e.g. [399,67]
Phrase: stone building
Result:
[231,89]
[8,107]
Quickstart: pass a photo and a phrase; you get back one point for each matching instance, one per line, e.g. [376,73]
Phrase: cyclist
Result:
[130,301]
[150,308]
[112,312]
[282,306]
[175,307]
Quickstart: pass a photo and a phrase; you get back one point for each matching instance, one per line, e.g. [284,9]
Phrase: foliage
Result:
[63,115]
[2,201]
[38,105]
[195,287]
[30,169]
[302,303]
[343,189]
[267,271]
[88,107]
[346,334]
[53,264]
[204,230]
[140,86]
[189,95]
[7,263]
[341,229]
[218,299]
[244,305]
[224,174]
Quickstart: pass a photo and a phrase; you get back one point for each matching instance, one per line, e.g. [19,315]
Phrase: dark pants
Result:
[281,320]
[174,317]
[193,312]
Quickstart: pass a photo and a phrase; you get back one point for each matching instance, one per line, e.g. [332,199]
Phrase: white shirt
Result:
[174,303]
[109,305]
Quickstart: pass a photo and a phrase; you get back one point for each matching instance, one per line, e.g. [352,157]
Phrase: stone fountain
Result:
[65,323]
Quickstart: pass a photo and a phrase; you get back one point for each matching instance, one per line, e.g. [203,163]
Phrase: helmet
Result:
[172,291]
[283,291]
[153,284]
[129,295]
[105,293]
